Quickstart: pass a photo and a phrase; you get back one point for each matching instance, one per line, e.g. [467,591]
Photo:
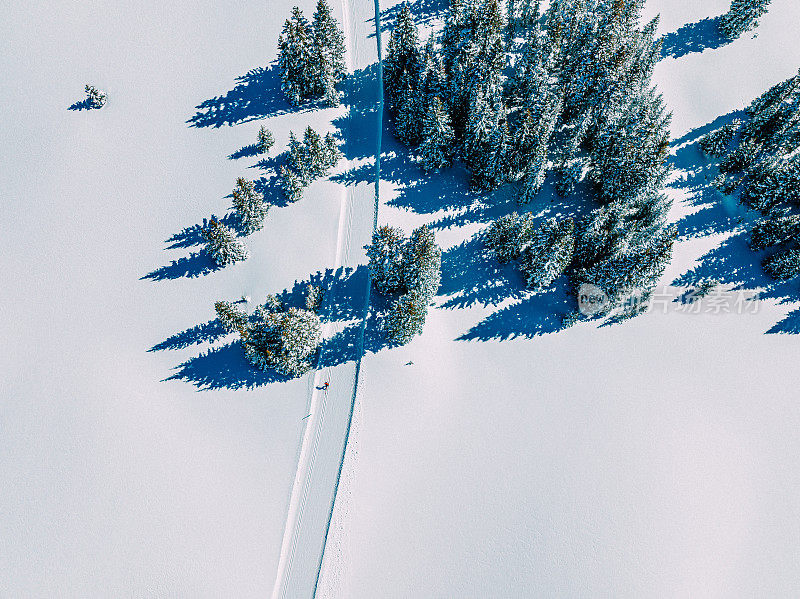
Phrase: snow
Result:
[489,457]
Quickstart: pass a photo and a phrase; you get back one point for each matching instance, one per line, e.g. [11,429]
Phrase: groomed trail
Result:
[331,407]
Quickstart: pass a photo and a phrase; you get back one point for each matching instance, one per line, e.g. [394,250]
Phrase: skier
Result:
[325,385]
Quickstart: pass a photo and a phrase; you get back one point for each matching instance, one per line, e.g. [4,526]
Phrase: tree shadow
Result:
[257,95]
[84,104]
[694,37]
[423,11]
[357,126]
[245,152]
[343,301]
[196,264]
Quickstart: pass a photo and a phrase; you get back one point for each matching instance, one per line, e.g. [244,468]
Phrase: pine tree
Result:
[249,206]
[222,245]
[509,235]
[385,255]
[313,154]
[94,97]
[314,297]
[422,263]
[232,317]
[330,152]
[285,341]
[783,265]
[776,230]
[742,16]
[403,65]
[716,142]
[265,140]
[406,317]
[438,138]
[329,41]
[549,253]
[295,58]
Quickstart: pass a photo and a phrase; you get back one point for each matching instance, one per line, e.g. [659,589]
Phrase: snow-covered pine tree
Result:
[485,140]
[284,341]
[716,142]
[549,253]
[313,154]
[438,139]
[775,230]
[314,295]
[249,205]
[329,53]
[222,245]
[386,259]
[94,97]
[406,317]
[509,235]
[783,265]
[291,184]
[295,58]
[402,74]
[330,152]
[265,140]
[742,16]
[422,263]
[232,317]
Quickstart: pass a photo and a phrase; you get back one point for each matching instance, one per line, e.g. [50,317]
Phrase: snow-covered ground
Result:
[117,482]
[655,458]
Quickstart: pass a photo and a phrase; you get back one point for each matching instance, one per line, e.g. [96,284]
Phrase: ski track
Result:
[293,574]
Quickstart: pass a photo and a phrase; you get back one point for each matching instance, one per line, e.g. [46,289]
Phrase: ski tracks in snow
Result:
[328,426]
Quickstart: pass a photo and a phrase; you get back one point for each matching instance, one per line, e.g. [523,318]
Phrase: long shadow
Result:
[82,105]
[193,235]
[245,152]
[424,12]
[225,366]
[694,37]
[357,126]
[196,264]
[257,95]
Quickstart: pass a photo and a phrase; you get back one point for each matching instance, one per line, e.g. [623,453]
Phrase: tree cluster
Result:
[306,161]
[742,17]
[410,268]
[311,56]
[764,165]
[277,337]
[517,93]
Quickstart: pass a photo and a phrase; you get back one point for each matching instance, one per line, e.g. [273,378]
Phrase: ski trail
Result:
[327,429]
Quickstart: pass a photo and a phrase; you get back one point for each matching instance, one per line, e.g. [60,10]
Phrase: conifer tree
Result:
[438,138]
[285,341]
[783,265]
[549,253]
[422,263]
[406,317]
[222,245]
[742,16]
[403,61]
[232,317]
[94,97]
[295,58]
[329,45]
[249,206]
[265,140]
[509,235]
[773,231]
[385,255]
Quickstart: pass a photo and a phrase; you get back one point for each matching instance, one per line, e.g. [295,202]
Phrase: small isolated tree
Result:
[386,258]
[265,140]
[222,245]
[549,253]
[284,341]
[94,97]
[507,236]
[249,206]
[232,317]
[438,138]
[742,17]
